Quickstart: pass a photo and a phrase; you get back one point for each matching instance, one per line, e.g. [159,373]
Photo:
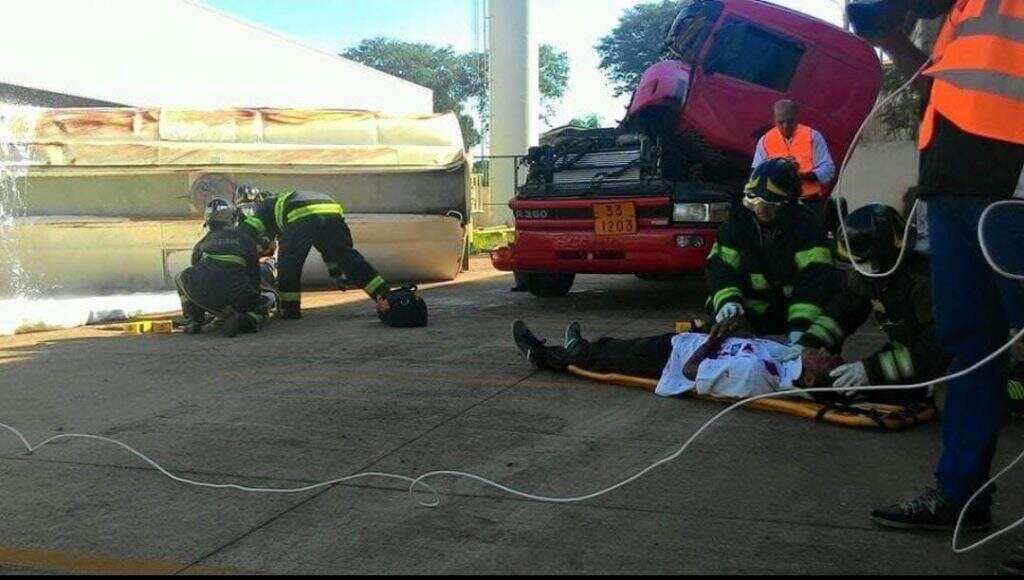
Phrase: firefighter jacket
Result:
[230,248]
[785,263]
[274,214]
[902,304]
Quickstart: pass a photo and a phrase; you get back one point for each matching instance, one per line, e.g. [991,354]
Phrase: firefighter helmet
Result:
[219,213]
[874,235]
[774,181]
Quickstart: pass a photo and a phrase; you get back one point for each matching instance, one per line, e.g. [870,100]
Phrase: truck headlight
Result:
[700,212]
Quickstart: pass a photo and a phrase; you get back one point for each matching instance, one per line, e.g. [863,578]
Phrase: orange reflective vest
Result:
[800,147]
[978,71]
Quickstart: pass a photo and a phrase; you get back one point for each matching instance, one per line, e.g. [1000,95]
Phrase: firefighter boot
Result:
[231,323]
[291,311]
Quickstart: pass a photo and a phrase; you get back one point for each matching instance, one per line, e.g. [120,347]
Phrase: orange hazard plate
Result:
[615,219]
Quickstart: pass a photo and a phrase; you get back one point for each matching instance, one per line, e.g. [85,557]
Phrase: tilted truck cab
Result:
[647,197]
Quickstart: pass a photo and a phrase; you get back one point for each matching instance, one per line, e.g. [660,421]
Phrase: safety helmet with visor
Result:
[773,185]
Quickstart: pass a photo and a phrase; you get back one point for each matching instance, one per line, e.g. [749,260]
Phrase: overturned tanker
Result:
[112,198]
[647,197]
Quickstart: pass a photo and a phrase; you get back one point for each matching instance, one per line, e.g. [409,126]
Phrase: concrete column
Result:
[515,96]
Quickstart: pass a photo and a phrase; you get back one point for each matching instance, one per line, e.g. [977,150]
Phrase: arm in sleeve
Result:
[845,313]
[816,280]
[197,252]
[921,356]
[725,270]
[262,224]
[760,154]
[825,167]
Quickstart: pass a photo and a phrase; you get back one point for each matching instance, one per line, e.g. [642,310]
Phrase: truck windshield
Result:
[691,28]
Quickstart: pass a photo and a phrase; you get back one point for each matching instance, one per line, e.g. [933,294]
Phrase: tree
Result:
[591,121]
[554,78]
[902,115]
[459,80]
[636,43]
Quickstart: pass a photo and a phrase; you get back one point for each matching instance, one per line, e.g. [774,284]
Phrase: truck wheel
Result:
[549,284]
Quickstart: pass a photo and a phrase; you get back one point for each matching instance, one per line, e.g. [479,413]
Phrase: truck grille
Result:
[600,168]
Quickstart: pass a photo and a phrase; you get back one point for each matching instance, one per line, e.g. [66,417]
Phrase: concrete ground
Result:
[338,393]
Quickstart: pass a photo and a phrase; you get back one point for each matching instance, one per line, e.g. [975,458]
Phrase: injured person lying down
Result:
[729,363]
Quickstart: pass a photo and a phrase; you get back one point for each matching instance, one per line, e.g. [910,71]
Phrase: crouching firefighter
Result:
[901,303]
[224,278]
[902,306]
[771,264]
[302,221]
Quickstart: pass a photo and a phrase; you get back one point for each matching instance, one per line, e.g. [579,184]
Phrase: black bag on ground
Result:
[402,308]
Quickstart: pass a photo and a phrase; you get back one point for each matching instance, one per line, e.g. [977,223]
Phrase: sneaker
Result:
[232,323]
[573,335]
[930,511]
[191,327]
[528,344]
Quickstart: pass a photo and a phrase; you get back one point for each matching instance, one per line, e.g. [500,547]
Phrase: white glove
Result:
[730,310]
[795,336]
[790,354]
[850,375]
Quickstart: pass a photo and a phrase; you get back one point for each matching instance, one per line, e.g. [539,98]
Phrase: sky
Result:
[570,25]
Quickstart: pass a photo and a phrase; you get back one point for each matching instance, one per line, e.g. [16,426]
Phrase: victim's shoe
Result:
[528,344]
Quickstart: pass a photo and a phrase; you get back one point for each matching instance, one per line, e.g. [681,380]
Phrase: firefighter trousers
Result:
[331,237]
[212,288]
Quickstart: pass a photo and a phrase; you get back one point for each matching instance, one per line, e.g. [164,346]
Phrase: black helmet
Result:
[219,213]
[874,234]
[402,308]
[774,181]
[249,194]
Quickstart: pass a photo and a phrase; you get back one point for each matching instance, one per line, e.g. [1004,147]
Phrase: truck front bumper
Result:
[659,251]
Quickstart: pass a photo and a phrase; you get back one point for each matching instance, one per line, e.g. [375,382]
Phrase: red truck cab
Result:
[647,197]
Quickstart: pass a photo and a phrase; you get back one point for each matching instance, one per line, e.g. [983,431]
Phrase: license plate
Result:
[615,219]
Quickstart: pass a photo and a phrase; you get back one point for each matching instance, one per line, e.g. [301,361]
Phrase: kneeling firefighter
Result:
[302,221]
[771,264]
[902,305]
[224,278]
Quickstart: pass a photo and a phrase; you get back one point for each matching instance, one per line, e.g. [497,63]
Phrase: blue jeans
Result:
[975,309]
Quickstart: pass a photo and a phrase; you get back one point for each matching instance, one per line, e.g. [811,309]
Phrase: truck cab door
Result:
[750,67]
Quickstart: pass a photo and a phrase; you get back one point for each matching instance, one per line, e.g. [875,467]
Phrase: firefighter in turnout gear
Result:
[771,264]
[302,221]
[901,303]
[224,278]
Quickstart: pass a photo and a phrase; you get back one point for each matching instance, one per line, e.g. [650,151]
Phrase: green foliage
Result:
[459,80]
[488,240]
[636,43]
[591,121]
[554,78]
[902,116]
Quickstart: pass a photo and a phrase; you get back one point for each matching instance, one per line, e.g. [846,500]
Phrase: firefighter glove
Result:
[850,375]
[730,310]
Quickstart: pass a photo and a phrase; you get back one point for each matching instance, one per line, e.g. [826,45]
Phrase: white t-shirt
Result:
[742,367]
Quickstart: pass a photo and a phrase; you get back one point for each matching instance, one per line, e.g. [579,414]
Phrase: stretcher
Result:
[884,417]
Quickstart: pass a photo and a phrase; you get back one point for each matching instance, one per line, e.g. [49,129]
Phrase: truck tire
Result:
[548,284]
